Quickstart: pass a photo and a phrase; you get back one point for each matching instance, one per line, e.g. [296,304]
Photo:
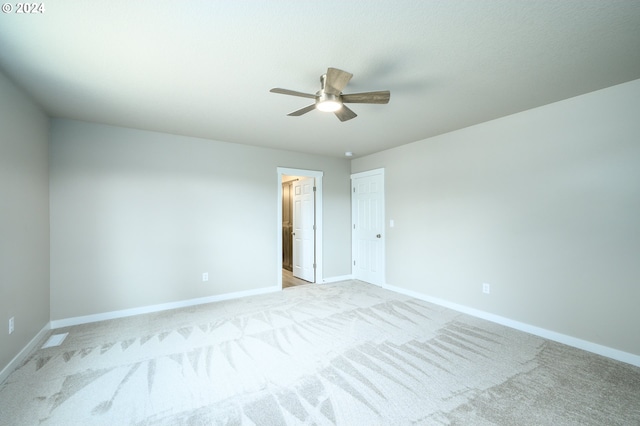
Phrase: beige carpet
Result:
[345,353]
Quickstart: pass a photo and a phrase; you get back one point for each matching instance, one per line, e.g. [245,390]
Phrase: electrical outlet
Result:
[486,288]
[12,323]
[205,276]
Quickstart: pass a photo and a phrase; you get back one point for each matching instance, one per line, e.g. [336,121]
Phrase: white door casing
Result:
[318,176]
[304,229]
[368,230]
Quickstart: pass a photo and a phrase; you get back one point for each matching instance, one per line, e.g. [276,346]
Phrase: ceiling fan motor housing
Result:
[328,102]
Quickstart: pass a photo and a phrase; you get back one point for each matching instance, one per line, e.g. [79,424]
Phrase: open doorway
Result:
[299,227]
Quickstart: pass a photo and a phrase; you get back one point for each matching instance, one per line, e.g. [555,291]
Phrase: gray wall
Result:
[24,220]
[543,205]
[138,216]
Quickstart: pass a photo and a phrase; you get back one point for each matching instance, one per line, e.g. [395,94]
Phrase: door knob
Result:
[378,236]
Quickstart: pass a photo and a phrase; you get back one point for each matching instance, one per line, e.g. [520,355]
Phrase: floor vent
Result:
[55,340]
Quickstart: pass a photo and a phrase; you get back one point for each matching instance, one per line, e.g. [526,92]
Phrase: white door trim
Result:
[368,173]
[383,266]
[318,246]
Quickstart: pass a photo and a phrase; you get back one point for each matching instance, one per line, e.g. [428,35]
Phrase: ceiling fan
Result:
[330,98]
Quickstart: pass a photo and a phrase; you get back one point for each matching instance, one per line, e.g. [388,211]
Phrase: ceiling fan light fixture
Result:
[331,99]
[329,106]
[328,103]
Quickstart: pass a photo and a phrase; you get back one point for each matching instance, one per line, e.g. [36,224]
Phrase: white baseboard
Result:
[67,322]
[17,360]
[336,279]
[606,351]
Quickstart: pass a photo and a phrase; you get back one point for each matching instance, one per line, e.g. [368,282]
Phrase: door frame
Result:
[383,267]
[317,175]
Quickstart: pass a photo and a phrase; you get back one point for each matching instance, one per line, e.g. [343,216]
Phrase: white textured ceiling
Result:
[204,68]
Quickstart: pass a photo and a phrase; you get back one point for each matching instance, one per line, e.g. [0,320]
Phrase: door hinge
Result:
[354,189]
[314,189]
[354,263]
[354,226]
[314,266]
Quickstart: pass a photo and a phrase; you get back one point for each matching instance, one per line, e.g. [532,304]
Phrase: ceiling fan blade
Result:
[302,110]
[345,113]
[381,97]
[292,93]
[336,81]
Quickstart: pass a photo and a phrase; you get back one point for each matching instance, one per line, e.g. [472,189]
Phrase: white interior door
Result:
[304,229]
[367,211]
